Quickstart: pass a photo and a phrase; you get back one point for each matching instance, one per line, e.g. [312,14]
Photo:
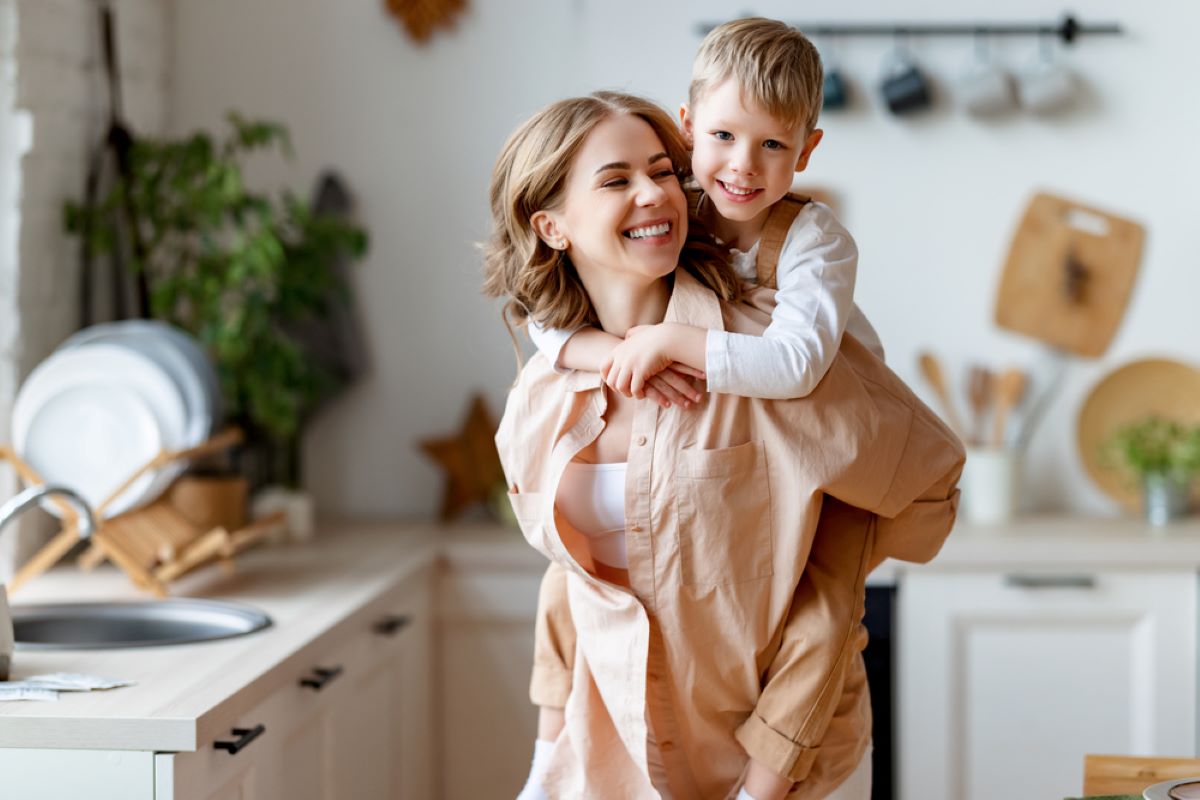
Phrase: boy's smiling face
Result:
[742,157]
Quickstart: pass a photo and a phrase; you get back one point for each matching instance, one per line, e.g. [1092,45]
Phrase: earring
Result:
[559,244]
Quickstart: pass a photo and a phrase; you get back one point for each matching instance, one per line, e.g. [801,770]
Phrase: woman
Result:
[711,632]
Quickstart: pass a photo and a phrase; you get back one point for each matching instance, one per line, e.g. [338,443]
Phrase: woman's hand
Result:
[763,784]
[674,387]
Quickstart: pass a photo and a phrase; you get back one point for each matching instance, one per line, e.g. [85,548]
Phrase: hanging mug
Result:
[834,91]
[1047,86]
[986,87]
[905,88]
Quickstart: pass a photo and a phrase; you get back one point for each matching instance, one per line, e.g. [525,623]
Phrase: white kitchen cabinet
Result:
[1007,678]
[350,720]
[487,601]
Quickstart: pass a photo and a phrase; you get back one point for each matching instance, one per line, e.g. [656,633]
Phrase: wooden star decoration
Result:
[469,459]
[420,17]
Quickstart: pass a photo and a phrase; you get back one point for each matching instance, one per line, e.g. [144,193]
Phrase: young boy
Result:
[751,120]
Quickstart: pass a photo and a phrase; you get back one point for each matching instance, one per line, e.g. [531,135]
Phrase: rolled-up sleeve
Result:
[554,642]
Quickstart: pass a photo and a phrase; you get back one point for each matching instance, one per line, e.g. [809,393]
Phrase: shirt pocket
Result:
[724,505]
[529,509]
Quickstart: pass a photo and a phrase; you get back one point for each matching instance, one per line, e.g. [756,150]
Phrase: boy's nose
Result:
[743,162]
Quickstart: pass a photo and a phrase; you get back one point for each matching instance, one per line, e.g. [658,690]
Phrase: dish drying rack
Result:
[155,544]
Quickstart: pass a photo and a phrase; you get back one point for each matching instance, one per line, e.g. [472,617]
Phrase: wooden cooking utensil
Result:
[1010,388]
[931,370]
[979,396]
[1069,274]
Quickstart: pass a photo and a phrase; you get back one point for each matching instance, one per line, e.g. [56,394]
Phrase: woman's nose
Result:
[650,192]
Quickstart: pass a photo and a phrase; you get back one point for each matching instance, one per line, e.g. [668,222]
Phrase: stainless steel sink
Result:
[155,623]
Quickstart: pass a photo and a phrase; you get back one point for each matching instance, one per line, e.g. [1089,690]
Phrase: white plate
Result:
[103,367]
[177,353]
[91,437]
[1163,791]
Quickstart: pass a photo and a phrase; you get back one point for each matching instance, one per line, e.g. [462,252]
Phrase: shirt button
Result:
[640,441]
[635,528]
[667,745]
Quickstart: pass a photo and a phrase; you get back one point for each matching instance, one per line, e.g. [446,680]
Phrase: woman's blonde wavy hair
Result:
[530,176]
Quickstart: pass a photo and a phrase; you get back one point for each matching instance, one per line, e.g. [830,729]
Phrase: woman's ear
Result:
[549,229]
[685,123]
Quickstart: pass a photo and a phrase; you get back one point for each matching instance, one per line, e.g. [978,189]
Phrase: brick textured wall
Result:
[52,87]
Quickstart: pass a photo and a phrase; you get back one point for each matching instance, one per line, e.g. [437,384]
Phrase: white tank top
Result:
[592,498]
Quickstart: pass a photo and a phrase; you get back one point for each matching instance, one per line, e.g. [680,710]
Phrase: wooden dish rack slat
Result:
[154,544]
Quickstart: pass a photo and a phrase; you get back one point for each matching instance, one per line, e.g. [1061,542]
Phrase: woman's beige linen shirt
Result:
[718,641]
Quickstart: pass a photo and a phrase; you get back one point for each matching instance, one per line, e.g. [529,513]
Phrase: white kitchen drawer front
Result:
[73,774]
[1006,679]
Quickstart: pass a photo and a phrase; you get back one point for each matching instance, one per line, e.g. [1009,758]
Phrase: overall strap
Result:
[779,222]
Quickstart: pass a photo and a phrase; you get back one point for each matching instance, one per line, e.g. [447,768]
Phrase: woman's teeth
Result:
[650,230]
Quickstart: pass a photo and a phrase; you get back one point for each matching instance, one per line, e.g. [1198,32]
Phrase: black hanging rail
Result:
[1068,29]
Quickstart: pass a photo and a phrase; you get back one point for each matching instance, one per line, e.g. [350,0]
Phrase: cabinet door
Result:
[383,725]
[211,773]
[1007,680]
[72,774]
[485,658]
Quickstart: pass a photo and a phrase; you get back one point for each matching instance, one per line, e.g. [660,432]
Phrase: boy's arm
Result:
[584,348]
[815,276]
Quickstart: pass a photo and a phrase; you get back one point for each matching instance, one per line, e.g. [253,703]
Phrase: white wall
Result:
[53,112]
[932,202]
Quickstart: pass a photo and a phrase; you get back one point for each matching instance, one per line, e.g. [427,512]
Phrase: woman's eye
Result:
[773,144]
[665,173]
[613,183]
[724,136]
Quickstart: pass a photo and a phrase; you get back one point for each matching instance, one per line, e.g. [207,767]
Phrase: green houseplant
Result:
[238,269]
[1163,456]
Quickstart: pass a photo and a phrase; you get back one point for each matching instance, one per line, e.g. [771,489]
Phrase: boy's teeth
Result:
[736,189]
[649,230]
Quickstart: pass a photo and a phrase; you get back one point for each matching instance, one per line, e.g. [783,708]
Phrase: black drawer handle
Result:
[321,676]
[245,737]
[390,626]
[1050,581]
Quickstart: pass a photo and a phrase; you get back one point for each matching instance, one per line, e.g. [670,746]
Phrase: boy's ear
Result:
[548,229]
[810,144]
[685,123]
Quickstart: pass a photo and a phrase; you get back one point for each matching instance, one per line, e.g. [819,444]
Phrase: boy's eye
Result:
[724,136]
[774,144]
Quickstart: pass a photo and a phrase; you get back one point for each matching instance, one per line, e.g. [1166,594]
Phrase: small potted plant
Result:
[1163,456]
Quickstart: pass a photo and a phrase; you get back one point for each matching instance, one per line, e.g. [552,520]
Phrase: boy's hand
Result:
[646,352]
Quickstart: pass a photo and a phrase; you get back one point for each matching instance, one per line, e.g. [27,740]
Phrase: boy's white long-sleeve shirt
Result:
[817,268]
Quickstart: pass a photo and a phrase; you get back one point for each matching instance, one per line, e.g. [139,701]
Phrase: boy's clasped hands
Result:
[648,363]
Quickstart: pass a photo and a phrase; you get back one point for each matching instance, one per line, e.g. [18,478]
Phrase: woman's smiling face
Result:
[622,209]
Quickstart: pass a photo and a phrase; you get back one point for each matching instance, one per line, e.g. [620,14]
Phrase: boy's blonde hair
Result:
[531,175]
[775,66]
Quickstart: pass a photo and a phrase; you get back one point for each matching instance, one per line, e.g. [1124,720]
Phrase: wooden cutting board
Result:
[1069,274]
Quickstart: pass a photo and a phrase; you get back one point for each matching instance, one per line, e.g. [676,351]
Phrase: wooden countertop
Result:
[306,589]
